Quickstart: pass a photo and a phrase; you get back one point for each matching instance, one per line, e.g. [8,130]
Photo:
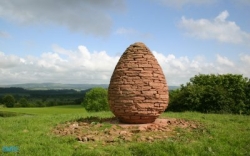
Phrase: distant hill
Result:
[59,86]
[55,86]
[173,87]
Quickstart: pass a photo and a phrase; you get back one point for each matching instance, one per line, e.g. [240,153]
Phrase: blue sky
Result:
[81,41]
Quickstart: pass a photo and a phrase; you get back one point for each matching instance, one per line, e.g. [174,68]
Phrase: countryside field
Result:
[30,130]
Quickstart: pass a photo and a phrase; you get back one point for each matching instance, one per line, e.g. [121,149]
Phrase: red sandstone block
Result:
[113,90]
[140,59]
[135,117]
[162,92]
[128,83]
[132,74]
[151,61]
[157,95]
[124,86]
[148,69]
[133,62]
[115,83]
[119,111]
[143,112]
[156,66]
[145,65]
[126,117]
[149,56]
[122,69]
[139,98]
[132,65]
[128,95]
[146,117]
[157,105]
[137,55]
[146,72]
[164,96]
[151,92]
[138,82]
[126,101]
[142,51]
[158,81]
[146,88]
[153,101]
[145,75]
[157,75]
[143,62]
[158,85]
[134,78]
[145,105]
[135,69]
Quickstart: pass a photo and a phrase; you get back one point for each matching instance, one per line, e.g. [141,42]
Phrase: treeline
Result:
[19,97]
[212,93]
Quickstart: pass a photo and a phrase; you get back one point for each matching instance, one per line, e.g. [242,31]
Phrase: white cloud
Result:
[245,59]
[224,61]
[65,66]
[218,29]
[88,16]
[83,66]
[180,70]
[182,3]
[222,16]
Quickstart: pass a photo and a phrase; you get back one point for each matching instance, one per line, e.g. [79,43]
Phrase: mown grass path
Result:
[221,135]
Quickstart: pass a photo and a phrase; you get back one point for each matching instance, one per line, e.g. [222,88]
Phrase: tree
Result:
[9,100]
[23,102]
[226,93]
[96,100]
[40,104]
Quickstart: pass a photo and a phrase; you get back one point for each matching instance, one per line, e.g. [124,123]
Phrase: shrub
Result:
[40,104]
[23,102]
[213,94]
[96,100]
[9,100]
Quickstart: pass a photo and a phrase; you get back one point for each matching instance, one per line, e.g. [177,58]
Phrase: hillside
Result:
[59,86]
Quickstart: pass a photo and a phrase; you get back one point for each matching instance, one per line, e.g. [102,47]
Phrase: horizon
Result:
[60,84]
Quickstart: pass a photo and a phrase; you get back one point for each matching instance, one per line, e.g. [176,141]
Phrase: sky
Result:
[81,41]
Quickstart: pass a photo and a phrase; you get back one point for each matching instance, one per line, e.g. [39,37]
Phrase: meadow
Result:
[30,131]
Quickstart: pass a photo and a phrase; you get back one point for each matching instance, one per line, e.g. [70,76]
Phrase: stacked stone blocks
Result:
[138,92]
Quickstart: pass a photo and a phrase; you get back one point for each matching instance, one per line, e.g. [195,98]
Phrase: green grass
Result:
[47,110]
[221,135]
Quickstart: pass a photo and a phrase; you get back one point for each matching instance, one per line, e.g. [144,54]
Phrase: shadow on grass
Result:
[95,119]
[5,114]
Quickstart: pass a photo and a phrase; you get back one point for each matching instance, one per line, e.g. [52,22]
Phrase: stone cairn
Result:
[137,92]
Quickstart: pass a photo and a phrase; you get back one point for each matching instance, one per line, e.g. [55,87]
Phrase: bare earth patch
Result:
[110,130]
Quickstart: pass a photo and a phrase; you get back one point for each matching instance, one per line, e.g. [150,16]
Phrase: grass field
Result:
[30,132]
[70,109]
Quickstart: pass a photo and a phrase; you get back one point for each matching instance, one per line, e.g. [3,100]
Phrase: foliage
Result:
[48,97]
[96,100]
[226,93]
[9,100]
[23,102]
[40,104]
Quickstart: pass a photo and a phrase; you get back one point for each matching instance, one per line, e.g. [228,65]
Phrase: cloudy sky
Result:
[80,41]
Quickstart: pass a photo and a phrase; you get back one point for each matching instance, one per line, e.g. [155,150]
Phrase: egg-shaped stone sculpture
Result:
[138,91]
